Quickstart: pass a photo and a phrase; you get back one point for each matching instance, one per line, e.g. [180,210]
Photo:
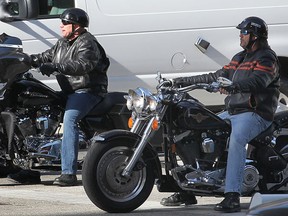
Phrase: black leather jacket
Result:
[256,75]
[82,64]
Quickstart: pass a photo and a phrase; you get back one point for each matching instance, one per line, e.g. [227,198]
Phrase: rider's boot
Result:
[230,204]
[66,180]
[179,198]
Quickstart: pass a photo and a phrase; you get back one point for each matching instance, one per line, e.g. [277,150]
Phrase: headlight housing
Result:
[141,100]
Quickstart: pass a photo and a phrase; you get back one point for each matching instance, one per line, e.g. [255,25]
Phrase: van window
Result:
[54,7]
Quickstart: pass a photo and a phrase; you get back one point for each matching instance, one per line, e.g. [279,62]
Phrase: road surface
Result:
[46,199]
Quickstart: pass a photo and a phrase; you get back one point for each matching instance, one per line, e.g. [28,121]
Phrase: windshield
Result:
[9,44]
[12,60]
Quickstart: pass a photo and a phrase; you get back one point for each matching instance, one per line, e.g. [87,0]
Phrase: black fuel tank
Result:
[31,92]
[190,114]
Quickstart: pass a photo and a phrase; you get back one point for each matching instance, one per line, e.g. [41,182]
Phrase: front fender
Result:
[150,154]
[114,134]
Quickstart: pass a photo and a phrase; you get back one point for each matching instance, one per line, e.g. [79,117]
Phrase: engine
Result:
[38,129]
[43,121]
[204,157]
[206,145]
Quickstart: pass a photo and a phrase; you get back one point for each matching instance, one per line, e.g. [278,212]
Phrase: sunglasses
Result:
[244,32]
[64,22]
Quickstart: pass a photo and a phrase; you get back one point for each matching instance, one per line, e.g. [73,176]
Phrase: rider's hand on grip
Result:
[48,68]
[177,82]
[34,61]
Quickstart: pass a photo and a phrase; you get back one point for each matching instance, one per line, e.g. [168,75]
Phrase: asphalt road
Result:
[46,199]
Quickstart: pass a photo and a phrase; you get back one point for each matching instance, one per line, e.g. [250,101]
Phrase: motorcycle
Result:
[121,166]
[31,115]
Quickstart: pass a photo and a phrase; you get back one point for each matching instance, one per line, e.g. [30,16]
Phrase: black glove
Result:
[178,82]
[186,81]
[48,68]
[34,61]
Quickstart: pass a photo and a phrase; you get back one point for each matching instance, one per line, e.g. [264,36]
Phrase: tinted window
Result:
[54,7]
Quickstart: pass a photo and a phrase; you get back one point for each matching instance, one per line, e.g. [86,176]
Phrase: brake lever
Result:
[224,82]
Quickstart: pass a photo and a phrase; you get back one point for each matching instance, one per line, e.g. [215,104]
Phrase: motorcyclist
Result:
[80,64]
[250,105]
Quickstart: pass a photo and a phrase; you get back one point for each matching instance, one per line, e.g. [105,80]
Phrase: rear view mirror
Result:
[18,10]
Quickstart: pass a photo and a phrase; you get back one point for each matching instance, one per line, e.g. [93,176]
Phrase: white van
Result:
[141,37]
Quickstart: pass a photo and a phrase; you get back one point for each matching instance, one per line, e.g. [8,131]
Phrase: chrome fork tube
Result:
[135,126]
[138,151]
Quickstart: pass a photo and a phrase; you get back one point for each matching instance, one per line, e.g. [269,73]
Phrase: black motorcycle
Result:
[31,114]
[121,166]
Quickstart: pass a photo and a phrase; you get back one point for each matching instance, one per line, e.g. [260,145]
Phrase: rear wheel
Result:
[103,182]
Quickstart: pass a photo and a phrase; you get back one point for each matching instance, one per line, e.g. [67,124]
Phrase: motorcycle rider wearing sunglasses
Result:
[80,65]
[250,104]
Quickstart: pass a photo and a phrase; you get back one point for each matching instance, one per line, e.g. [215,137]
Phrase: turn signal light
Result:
[155,124]
[130,122]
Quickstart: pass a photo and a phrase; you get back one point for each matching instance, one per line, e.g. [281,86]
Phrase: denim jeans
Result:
[78,105]
[245,127]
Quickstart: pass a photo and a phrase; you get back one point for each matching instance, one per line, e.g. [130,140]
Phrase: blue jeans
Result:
[78,105]
[245,127]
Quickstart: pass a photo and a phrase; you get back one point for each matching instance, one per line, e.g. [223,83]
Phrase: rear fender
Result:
[149,152]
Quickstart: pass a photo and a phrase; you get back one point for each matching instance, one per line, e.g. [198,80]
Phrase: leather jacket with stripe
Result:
[256,74]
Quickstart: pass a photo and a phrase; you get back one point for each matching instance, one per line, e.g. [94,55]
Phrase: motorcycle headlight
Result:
[138,103]
[141,100]
[152,103]
[128,102]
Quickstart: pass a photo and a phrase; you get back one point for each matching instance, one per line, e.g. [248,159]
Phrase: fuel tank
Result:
[191,114]
[30,92]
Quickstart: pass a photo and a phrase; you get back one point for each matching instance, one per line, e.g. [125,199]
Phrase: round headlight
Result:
[128,102]
[152,104]
[138,103]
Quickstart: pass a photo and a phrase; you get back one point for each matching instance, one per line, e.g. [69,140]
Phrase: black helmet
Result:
[76,16]
[254,25]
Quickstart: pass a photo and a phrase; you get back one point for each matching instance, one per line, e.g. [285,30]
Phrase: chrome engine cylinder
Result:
[250,179]
[208,145]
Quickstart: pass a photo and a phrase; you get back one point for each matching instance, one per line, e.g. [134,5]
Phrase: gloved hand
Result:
[186,81]
[34,61]
[177,82]
[48,68]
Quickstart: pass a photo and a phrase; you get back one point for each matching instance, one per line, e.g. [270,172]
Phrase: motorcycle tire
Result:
[103,182]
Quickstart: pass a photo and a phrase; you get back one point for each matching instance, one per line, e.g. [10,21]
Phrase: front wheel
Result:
[103,182]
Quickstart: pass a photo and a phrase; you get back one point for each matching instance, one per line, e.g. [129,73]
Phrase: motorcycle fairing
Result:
[12,60]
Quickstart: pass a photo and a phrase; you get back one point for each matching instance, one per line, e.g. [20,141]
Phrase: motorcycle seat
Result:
[110,100]
[264,138]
